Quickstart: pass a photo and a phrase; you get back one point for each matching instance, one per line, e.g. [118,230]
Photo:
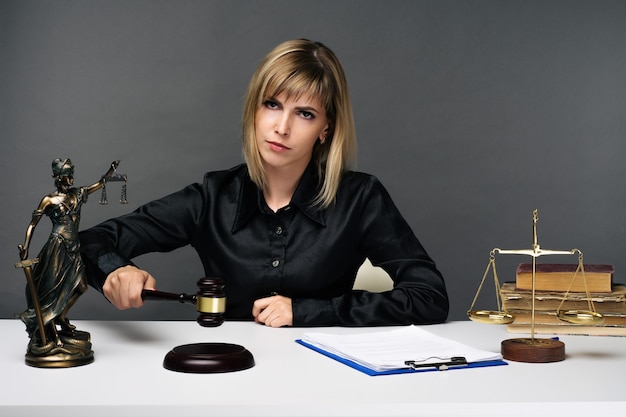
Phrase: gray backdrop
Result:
[472,113]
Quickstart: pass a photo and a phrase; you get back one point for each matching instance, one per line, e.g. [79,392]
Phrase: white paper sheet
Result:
[386,350]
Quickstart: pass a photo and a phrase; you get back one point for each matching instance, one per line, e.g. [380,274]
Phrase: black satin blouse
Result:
[308,254]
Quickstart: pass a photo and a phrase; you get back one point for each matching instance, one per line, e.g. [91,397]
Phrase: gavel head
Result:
[210,302]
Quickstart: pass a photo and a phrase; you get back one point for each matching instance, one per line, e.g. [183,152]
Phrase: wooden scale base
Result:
[533,350]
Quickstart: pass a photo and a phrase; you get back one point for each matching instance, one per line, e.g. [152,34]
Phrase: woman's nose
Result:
[282,125]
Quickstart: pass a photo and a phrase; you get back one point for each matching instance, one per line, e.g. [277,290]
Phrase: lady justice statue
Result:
[56,279]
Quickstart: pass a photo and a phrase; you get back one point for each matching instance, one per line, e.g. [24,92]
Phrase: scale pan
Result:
[580,317]
[490,317]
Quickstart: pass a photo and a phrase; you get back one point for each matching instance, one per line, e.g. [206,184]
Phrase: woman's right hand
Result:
[123,286]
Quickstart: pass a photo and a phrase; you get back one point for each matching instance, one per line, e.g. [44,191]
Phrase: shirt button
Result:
[275,263]
[279,230]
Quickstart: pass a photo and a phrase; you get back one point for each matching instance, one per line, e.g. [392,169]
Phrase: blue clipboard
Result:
[372,372]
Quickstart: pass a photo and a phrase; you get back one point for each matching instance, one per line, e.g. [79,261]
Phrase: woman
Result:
[288,229]
[59,275]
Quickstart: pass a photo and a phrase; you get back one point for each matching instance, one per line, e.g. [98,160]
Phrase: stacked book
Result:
[559,286]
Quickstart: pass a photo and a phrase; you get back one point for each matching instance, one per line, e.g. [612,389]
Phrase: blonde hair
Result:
[304,68]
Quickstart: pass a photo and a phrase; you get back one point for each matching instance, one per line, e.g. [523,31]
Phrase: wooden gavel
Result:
[210,300]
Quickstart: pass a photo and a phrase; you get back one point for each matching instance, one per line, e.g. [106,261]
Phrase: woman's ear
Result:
[325,133]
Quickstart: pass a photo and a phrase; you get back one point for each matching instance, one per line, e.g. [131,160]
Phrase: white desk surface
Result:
[127,377]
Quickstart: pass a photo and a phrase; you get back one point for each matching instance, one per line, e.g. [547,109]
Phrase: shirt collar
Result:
[250,198]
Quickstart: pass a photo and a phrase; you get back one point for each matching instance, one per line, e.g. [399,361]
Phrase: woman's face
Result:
[287,129]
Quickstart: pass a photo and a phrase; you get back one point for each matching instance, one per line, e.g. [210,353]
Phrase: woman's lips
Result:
[278,147]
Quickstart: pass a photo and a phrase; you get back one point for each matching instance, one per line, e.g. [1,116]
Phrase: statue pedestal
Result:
[74,350]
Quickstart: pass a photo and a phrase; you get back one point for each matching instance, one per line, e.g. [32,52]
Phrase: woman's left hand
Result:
[274,311]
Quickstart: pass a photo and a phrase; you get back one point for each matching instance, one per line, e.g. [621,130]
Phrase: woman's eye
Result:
[270,104]
[307,115]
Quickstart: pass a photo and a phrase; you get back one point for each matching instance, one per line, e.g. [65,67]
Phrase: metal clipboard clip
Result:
[443,365]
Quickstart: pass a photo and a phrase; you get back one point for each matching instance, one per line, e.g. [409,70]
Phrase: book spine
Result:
[556,281]
[569,330]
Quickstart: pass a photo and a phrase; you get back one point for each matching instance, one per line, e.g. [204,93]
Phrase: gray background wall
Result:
[472,113]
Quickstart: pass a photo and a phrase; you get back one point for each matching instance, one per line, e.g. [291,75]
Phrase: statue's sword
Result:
[27,266]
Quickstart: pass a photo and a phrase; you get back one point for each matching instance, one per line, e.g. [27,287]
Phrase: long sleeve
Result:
[159,226]
[419,295]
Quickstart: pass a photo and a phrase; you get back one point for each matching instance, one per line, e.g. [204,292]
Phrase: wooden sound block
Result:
[533,350]
[202,358]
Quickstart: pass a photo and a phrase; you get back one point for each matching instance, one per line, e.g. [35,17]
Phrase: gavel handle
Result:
[160,295]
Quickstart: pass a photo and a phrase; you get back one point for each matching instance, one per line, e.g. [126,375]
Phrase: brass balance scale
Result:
[533,349]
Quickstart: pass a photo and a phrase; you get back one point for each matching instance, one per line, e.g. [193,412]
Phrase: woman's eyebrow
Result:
[311,109]
[308,108]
